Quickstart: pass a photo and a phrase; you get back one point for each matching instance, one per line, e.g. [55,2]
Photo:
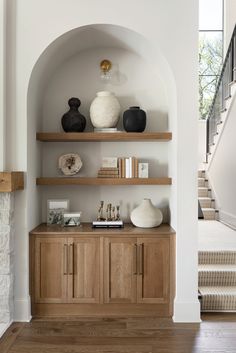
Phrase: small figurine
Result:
[117,213]
[100,212]
[113,215]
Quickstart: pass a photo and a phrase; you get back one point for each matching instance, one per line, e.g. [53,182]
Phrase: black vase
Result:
[134,120]
[73,121]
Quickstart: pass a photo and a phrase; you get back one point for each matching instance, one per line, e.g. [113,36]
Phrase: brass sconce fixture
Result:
[105,67]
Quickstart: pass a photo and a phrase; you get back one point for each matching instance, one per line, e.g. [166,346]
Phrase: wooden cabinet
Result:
[66,270]
[102,272]
[153,270]
[120,270]
[50,270]
[83,272]
[136,270]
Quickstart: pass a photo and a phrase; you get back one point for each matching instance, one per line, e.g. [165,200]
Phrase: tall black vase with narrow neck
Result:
[73,121]
[134,120]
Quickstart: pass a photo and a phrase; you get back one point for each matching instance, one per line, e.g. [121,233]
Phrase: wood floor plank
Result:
[216,334]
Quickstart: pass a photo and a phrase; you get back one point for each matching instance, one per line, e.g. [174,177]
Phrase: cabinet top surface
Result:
[86,229]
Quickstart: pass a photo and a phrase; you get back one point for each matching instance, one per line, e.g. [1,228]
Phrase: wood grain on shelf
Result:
[103,181]
[102,136]
[11,181]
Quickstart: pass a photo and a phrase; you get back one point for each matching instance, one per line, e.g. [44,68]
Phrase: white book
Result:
[130,167]
[127,168]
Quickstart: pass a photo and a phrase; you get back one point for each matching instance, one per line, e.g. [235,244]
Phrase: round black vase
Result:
[134,120]
[73,121]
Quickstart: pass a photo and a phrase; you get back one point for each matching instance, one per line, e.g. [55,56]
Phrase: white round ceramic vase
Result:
[146,215]
[105,110]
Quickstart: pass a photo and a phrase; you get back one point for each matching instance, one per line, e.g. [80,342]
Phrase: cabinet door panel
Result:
[119,270]
[50,270]
[153,269]
[84,265]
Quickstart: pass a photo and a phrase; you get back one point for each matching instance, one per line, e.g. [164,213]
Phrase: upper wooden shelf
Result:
[103,181]
[11,181]
[102,136]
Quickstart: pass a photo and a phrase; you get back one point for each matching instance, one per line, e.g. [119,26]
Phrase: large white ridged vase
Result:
[105,110]
[146,215]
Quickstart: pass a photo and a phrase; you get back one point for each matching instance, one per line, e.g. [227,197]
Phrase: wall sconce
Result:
[105,67]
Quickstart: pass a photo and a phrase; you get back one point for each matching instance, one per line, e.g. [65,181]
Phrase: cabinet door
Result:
[50,270]
[120,263]
[83,270]
[153,270]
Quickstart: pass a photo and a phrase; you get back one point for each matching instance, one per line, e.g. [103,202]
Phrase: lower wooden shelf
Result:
[103,181]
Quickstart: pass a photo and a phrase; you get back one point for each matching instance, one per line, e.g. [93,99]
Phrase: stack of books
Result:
[125,167]
[105,172]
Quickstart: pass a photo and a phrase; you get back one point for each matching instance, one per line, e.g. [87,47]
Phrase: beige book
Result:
[136,168]
[108,176]
[122,168]
[119,167]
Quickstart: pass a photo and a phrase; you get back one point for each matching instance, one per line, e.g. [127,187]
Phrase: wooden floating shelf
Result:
[11,181]
[102,136]
[103,181]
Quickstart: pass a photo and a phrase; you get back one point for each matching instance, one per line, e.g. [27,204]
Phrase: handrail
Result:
[227,76]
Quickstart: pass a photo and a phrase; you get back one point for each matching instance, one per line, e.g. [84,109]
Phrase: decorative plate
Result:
[70,164]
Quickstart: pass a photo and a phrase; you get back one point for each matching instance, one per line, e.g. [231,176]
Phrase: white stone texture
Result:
[6,201]
[6,285]
[5,316]
[6,256]
[6,263]
[6,238]
[6,304]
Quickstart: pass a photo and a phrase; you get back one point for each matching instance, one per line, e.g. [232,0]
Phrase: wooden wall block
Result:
[11,181]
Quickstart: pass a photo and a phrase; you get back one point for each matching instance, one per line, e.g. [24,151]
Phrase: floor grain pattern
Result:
[216,334]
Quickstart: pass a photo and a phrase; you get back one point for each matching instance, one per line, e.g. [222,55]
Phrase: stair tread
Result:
[203,198]
[217,267]
[218,290]
[203,188]
[208,209]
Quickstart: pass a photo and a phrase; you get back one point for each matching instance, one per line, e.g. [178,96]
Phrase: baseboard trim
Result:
[4,327]
[22,309]
[228,219]
[187,312]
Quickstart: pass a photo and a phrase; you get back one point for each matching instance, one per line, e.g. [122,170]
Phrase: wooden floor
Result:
[216,334]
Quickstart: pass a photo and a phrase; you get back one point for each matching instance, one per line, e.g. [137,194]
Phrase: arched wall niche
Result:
[69,66]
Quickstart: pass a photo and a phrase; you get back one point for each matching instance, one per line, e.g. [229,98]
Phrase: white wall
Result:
[171,30]
[134,82]
[222,170]
[229,21]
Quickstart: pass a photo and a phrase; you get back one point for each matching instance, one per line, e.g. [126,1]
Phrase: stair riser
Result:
[207,203]
[217,257]
[216,278]
[203,192]
[218,303]
[209,215]
[202,183]
[201,174]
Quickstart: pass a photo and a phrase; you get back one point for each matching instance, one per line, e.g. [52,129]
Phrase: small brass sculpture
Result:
[112,212]
[100,216]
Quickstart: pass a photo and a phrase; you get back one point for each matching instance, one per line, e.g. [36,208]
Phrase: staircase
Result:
[217,280]
[205,199]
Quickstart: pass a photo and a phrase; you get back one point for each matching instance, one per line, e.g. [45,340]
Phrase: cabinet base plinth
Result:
[101,310]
